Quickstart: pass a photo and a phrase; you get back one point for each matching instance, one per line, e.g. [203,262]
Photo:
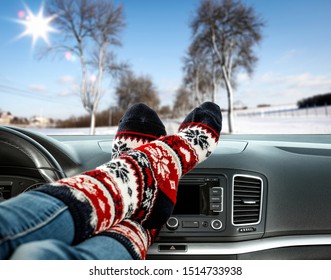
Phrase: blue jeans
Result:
[96,248]
[35,225]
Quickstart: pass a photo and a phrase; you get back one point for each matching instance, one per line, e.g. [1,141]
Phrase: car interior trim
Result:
[234,248]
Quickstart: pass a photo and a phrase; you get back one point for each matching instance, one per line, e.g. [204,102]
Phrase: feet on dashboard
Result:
[142,183]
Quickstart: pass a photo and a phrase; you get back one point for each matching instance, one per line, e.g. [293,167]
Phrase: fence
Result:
[285,111]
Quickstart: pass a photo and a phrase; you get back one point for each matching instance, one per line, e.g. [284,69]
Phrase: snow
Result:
[243,125]
[281,125]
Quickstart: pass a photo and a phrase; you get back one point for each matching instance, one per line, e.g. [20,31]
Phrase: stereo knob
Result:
[172,223]
[216,224]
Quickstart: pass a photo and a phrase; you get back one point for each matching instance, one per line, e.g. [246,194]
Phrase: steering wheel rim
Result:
[43,160]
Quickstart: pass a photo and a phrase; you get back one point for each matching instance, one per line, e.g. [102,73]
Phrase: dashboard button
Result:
[172,223]
[173,247]
[216,224]
[216,207]
[215,199]
[216,191]
[190,224]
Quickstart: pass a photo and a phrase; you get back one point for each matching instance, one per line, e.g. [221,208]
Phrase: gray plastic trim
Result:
[235,248]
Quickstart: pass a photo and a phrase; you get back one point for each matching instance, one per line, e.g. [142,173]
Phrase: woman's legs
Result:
[32,212]
[152,170]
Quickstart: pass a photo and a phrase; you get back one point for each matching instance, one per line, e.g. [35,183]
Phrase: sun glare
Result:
[37,26]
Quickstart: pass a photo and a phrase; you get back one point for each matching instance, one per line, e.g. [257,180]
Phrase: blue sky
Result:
[294,56]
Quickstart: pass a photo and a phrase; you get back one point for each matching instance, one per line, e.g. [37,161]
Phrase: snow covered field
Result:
[281,125]
[245,125]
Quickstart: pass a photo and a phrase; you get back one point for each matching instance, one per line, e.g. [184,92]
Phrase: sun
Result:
[37,26]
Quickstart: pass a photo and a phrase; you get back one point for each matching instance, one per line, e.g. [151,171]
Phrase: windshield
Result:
[68,70]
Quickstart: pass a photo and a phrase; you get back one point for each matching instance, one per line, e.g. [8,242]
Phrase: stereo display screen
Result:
[188,200]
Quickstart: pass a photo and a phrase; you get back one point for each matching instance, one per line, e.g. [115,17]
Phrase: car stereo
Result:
[200,206]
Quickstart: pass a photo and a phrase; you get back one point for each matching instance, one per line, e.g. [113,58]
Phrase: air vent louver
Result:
[247,200]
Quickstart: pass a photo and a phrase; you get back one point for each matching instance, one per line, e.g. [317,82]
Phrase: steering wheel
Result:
[15,145]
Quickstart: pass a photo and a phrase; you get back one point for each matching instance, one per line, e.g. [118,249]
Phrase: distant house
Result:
[5,118]
[39,121]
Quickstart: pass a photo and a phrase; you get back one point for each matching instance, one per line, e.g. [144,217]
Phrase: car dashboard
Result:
[255,197]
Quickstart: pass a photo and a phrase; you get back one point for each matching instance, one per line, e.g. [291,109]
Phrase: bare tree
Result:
[88,29]
[165,112]
[194,73]
[200,75]
[228,30]
[132,89]
[183,102]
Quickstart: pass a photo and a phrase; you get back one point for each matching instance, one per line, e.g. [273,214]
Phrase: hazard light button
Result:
[173,248]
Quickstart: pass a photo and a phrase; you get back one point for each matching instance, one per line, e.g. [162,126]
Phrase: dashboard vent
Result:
[247,200]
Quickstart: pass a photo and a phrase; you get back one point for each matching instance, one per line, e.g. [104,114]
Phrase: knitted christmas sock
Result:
[142,183]
[139,125]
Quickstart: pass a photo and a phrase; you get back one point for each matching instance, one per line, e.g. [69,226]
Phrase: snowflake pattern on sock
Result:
[119,170]
[119,147]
